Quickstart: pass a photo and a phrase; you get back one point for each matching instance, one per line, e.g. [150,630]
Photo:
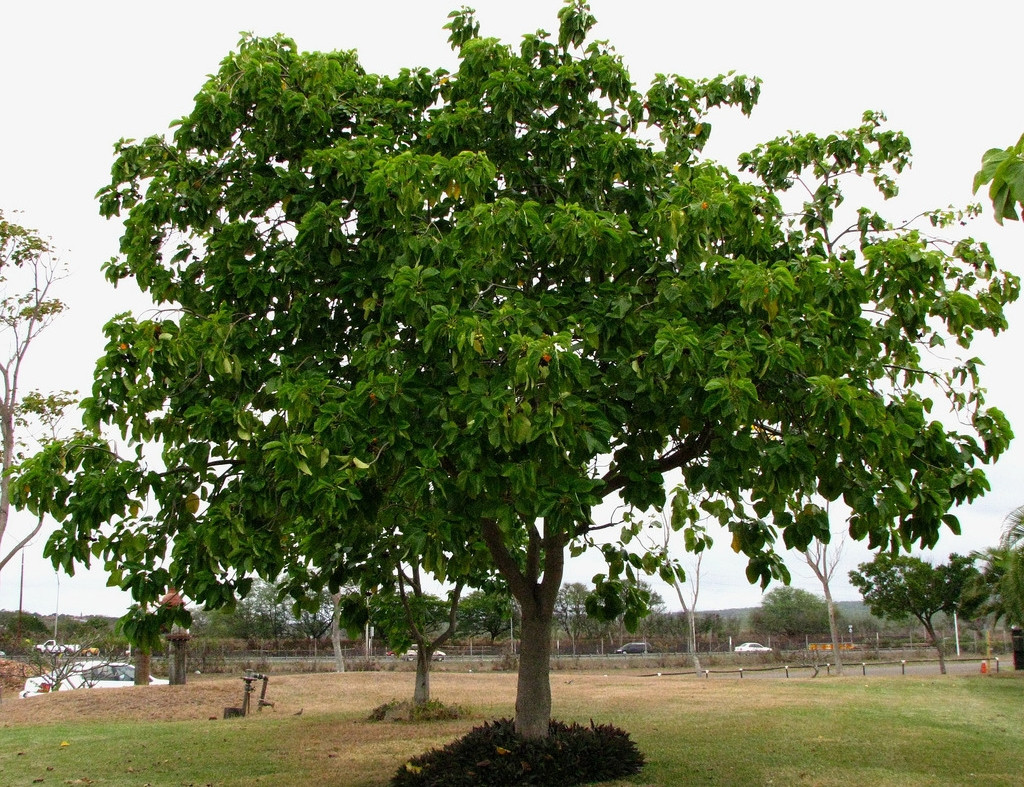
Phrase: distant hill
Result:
[848,610]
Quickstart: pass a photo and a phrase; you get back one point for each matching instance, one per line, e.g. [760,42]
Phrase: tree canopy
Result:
[453,312]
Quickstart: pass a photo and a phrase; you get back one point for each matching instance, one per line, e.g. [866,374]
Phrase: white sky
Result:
[79,76]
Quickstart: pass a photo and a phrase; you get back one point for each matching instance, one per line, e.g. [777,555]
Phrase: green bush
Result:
[494,755]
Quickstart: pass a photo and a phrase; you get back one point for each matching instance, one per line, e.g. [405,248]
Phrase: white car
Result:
[752,647]
[87,675]
[412,653]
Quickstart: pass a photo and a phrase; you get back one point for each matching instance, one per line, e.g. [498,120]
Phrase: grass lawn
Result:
[770,731]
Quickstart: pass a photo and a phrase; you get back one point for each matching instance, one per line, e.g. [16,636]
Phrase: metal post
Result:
[263,694]
[245,695]
[56,611]
[741,673]
[864,669]
[903,664]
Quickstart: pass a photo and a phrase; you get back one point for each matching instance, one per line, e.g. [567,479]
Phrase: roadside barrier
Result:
[878,667]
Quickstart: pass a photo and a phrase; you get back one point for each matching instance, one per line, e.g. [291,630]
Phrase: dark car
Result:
[635,647]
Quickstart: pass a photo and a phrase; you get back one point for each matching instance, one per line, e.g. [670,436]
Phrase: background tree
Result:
[29,271]
[19,631]
[823,557]
[695,540]
[262,617]
[571,610]
[791,612]
[713,627]
[898,586]
[485,612]
[429,620]
[468,307]
[314,620]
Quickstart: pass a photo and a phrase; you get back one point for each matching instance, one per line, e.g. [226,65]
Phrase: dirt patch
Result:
[199,700]
[204,698]
[13,675]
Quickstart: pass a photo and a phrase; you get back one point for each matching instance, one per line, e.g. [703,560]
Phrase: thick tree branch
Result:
[503,559]
[682,454]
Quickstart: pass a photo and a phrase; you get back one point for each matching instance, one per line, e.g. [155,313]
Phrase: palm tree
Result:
[1013,529]
[1006,569]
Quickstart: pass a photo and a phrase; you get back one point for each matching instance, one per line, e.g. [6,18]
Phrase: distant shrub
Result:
[363,665]
[404,710]
[494,756]
[507,663]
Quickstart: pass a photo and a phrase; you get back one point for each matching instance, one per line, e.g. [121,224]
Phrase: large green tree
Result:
[467,307]
[896,587]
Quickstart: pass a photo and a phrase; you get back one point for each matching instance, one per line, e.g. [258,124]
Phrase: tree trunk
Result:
[339,656]
[533,691]
[935,644]
[421,693]
[536,590]
[142,668]
[833,628]
[692,618]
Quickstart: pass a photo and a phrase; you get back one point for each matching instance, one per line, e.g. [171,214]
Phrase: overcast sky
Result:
[80,76]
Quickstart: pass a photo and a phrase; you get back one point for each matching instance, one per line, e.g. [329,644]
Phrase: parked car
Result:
[87,675]
[635,647]
[752,647]
[413,653]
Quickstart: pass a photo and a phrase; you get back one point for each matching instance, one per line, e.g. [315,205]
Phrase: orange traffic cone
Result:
[984,668]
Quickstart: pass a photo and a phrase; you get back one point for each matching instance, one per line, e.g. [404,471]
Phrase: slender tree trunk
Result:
[691,616]
[421,693]
[833,628]
[823,564]
[339,656]
[935,644]
[533,690]
[7,459]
